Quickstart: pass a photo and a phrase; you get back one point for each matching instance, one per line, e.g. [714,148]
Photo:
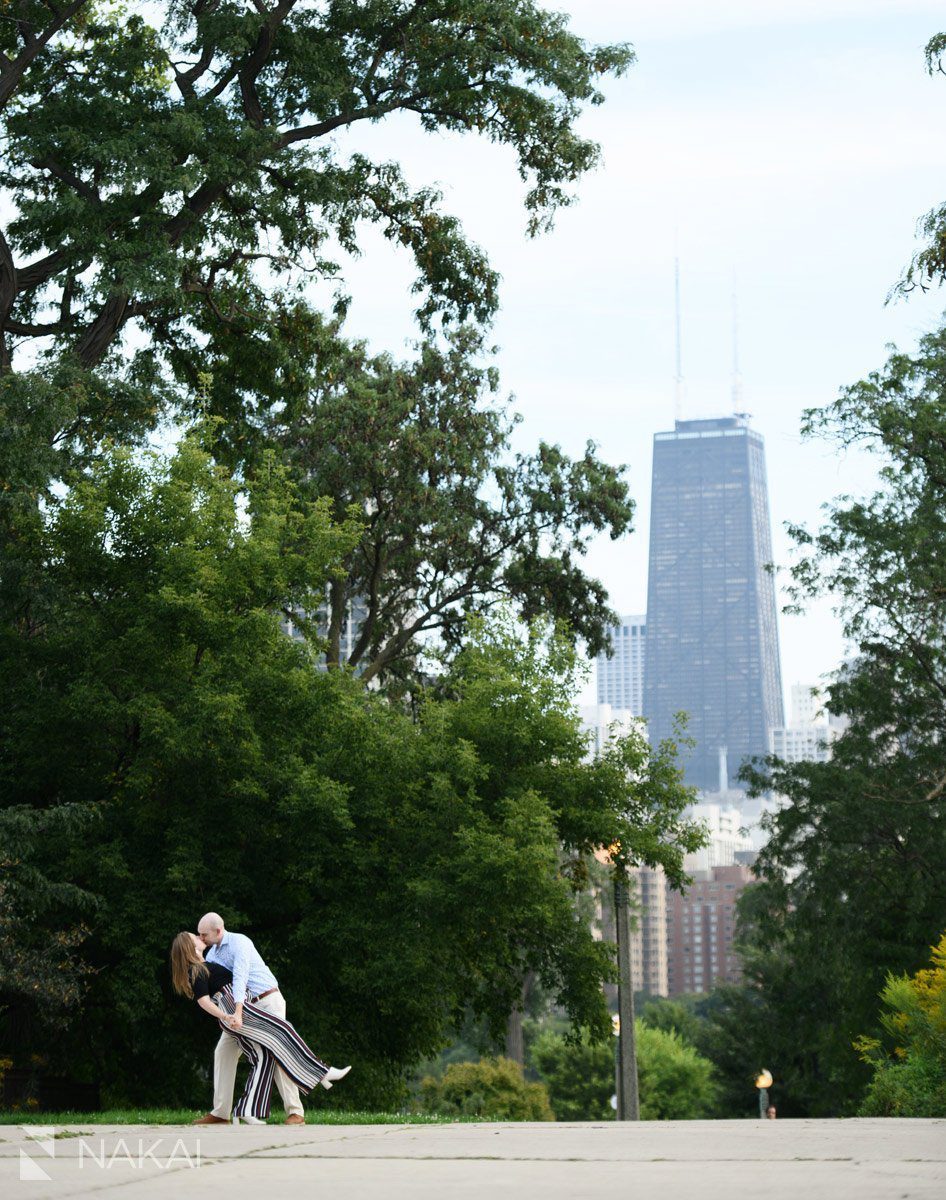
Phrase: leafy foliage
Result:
[676,1083]
[579,1078]
[162,167]
[490,1090]
[910,1075]
[453,521]
[929,264]
[39,932]
[347,834]
[854,876]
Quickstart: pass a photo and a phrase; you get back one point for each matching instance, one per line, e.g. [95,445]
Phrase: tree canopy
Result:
[854,875]
[928,266]
[454,522]
[183,168]
[398,868]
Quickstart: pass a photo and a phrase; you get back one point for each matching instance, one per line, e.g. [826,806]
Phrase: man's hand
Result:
[236,1021]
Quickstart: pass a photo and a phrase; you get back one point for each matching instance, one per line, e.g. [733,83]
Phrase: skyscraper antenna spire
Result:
[736,376]
[678,380]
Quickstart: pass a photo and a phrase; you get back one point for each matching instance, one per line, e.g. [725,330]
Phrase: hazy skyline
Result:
[793,144]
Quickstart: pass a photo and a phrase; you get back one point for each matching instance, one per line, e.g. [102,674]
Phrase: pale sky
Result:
[793,144]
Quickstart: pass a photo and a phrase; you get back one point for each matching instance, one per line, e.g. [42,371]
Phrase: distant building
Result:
[648,904]
[602,722]
[724,824]
[649,964]
[712,642]
[355,615]
[806,743]
[621,677]
[701,929]
[808,704]
[812,730]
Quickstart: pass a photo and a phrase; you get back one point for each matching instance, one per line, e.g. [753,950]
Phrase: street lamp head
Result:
[764,1079]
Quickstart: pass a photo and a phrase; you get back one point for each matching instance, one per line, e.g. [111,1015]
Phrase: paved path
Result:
[706,1160]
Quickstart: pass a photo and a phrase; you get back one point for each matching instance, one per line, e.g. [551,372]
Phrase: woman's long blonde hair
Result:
[186,965]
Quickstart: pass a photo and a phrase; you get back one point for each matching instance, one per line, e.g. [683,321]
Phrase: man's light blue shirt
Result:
[250,974]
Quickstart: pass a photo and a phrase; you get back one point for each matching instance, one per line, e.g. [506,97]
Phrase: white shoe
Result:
[248,1121]
[333,1075]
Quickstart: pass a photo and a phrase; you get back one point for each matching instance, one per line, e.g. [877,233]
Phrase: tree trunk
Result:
[515,1047]
[337,606]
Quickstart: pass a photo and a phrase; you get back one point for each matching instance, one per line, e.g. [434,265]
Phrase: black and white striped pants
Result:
[268,1042]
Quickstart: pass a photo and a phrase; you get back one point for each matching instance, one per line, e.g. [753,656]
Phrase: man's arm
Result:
[241,970]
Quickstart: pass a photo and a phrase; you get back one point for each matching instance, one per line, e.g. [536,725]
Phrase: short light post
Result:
[763,1083]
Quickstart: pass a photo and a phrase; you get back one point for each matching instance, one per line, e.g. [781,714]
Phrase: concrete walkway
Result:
[705,1160]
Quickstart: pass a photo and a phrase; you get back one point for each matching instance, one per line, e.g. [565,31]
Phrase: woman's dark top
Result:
[210,984]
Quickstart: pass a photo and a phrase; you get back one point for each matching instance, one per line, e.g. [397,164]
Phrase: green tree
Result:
[854,875]
[157,162]
[41,971]
[579,1078]
[180,173]
[491,1090]
[454,522]
[677,1016]
[398,869]
[515,706]
[929,264]
[676,1082]
[910,1070]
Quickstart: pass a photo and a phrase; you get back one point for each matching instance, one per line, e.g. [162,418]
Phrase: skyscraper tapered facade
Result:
[712,641]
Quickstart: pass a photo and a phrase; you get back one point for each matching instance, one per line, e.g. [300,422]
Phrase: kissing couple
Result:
[234,985]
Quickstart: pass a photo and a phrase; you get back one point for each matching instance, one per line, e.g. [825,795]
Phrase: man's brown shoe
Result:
[210,1119]
[294,1119]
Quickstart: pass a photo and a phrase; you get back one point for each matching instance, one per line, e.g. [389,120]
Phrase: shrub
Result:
[910,1071]
[580,1078]
[675,1081]
[492,1089]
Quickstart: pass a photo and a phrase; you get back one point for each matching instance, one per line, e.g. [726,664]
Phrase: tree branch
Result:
[14,70]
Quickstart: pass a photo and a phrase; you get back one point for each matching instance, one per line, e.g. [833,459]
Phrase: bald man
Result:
[253,983]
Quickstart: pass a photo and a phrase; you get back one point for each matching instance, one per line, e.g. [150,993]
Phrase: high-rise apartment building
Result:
[649,932]
[621,677]
[701,930]
[648,893]
[712,642]
[602,723]
[808,738]
[726,836]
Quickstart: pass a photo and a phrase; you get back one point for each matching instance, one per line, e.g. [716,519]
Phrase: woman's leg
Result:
[288,1091]
[259,1084]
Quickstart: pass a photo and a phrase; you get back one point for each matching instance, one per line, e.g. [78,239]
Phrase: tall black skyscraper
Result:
[712,640]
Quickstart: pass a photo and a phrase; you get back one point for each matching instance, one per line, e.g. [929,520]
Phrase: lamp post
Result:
[763,1083]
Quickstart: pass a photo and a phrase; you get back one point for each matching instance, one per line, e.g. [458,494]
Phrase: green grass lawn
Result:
[184,1116]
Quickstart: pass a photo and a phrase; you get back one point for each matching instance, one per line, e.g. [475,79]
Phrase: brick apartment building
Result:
[700,927]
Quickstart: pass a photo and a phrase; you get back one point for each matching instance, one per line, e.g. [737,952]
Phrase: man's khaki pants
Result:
[227,1055]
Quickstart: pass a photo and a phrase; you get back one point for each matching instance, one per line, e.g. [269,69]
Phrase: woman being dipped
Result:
[266,1040]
